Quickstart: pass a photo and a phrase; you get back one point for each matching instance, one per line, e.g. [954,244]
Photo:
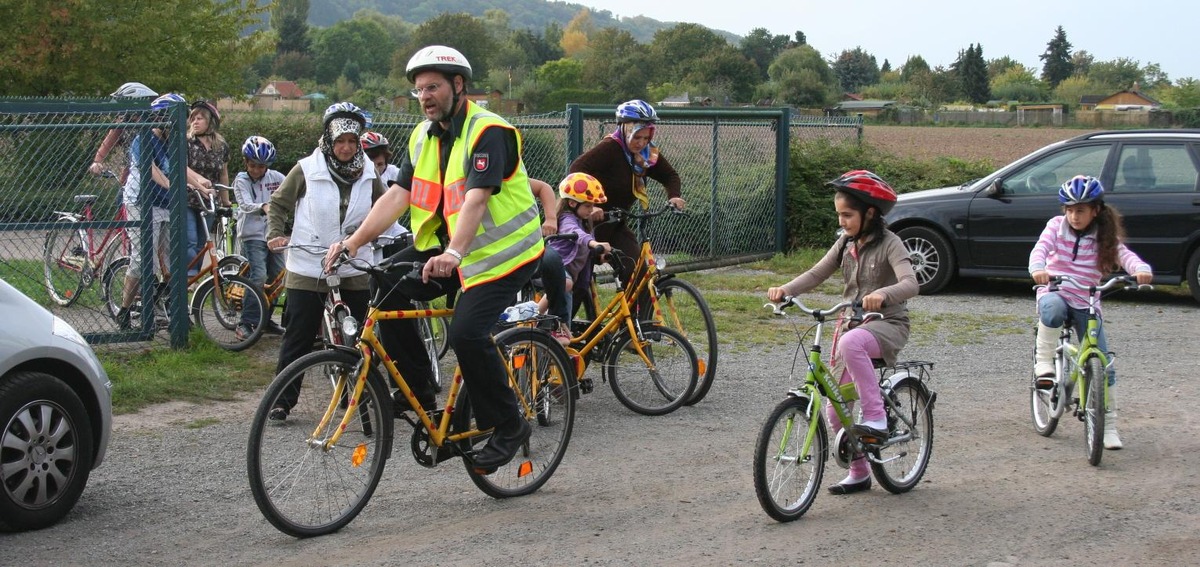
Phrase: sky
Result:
[1161,32]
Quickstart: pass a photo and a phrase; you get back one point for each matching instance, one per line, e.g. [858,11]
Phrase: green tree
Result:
[357,45]
[725,74]
[1018,83]
[761,47]
[1118,74]
[1082,61]
[855,69]
[1057,64]
[561,74]
[997,66]
[467,34]
[971,71]
[88,48]
[913,67]
[615,63]
[289,20]
[1185,94]
[678,48]
[1071,89]
[801,77]
[291,65]
[885,68]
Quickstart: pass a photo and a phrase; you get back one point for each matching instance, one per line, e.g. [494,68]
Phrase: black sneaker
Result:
[123,319]
[278,413]
[273,328]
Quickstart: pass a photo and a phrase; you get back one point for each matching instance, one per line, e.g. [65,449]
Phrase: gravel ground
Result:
[678,489]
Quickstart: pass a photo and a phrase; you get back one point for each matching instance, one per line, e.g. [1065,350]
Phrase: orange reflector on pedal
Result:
[524,469]
[359,455]
[518,361]
[703,366]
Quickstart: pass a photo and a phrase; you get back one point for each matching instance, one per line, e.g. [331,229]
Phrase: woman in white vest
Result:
[328,194]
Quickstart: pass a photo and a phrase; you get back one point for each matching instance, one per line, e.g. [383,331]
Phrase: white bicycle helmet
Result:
[438,58]
[133,90]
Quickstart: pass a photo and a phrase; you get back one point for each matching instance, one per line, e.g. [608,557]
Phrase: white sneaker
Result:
[1112,440]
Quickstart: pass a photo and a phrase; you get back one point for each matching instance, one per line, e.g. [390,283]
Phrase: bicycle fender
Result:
[903,376]
[194,300]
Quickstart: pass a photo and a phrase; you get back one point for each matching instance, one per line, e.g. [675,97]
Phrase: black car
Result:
[988,226]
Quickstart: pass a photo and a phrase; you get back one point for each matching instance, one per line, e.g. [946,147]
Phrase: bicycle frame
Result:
[620,312]
[819,385]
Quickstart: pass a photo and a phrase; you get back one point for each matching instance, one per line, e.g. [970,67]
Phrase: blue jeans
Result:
[264,265]
[554,282]
[1054,312]
[195,239]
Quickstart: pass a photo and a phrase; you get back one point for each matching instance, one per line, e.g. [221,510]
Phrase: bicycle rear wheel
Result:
[302,487]
[64,263]
[910,414]
[656,386]
[218,307]
[1093,408]
[786,478]
[686,311]
[545,386]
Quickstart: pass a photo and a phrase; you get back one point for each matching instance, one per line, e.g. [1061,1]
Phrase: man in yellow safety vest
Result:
[475,225]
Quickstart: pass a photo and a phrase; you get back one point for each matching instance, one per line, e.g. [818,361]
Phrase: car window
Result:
[1158,168]
[1045,175]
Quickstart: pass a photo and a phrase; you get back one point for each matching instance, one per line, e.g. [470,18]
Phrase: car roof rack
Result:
[1140,132]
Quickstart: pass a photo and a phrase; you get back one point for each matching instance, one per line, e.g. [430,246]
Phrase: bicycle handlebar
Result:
[616,214]
[858,316]
[1127,282]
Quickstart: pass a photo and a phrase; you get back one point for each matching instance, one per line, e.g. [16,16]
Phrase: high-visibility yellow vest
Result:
[509,235]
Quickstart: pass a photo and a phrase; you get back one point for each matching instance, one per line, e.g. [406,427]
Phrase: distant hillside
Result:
[530,14]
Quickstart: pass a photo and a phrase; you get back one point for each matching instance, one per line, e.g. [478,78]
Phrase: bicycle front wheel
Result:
[1093,408]
[64,264]
[786,477]
[303,486]
[686,311]
[113,283]
[545,386]
[910,417]
[230,310]
[661,382]
[1046,404]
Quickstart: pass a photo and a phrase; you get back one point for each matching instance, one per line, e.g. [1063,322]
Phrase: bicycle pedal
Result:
[1044,383]
[586,385]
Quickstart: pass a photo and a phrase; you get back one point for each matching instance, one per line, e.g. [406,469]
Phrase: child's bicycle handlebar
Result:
[1115,283]
[858,315]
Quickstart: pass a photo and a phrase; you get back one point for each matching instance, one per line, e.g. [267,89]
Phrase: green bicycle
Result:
[1080,370]
[793,446]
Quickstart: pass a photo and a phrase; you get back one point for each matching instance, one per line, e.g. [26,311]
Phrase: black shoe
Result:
[273,328]
[851,487]
[123,319]
[503,445]
[400,404]
[278,413]
[870,435]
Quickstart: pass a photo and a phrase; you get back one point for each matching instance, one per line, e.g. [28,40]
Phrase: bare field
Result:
[1000,145]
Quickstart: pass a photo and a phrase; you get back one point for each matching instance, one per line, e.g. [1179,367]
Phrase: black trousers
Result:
[476,312]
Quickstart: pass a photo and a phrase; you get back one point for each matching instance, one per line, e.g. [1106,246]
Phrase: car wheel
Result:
[932,260]
[1193,274]
[45,450]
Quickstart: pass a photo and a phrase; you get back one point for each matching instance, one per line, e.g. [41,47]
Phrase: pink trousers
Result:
[857,347]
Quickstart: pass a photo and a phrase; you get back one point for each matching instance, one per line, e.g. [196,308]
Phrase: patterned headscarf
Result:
[347,171]
[641,161]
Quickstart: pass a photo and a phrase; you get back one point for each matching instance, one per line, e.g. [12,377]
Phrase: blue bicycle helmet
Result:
[259,150]
[346,110]
[165,101]
[636,111]
[1080,189]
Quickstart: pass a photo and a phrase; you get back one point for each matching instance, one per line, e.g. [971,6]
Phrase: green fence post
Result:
[782,155]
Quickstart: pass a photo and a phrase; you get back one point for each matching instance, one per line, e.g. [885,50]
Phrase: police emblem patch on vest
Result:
[481,162]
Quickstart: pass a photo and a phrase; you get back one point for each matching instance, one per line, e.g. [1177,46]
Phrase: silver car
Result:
[56,413]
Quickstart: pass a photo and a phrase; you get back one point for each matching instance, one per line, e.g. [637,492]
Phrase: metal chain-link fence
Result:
[71,239]
[63,235]
[733,164]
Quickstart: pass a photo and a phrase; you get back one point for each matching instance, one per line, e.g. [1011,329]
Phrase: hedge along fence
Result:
[810,219]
